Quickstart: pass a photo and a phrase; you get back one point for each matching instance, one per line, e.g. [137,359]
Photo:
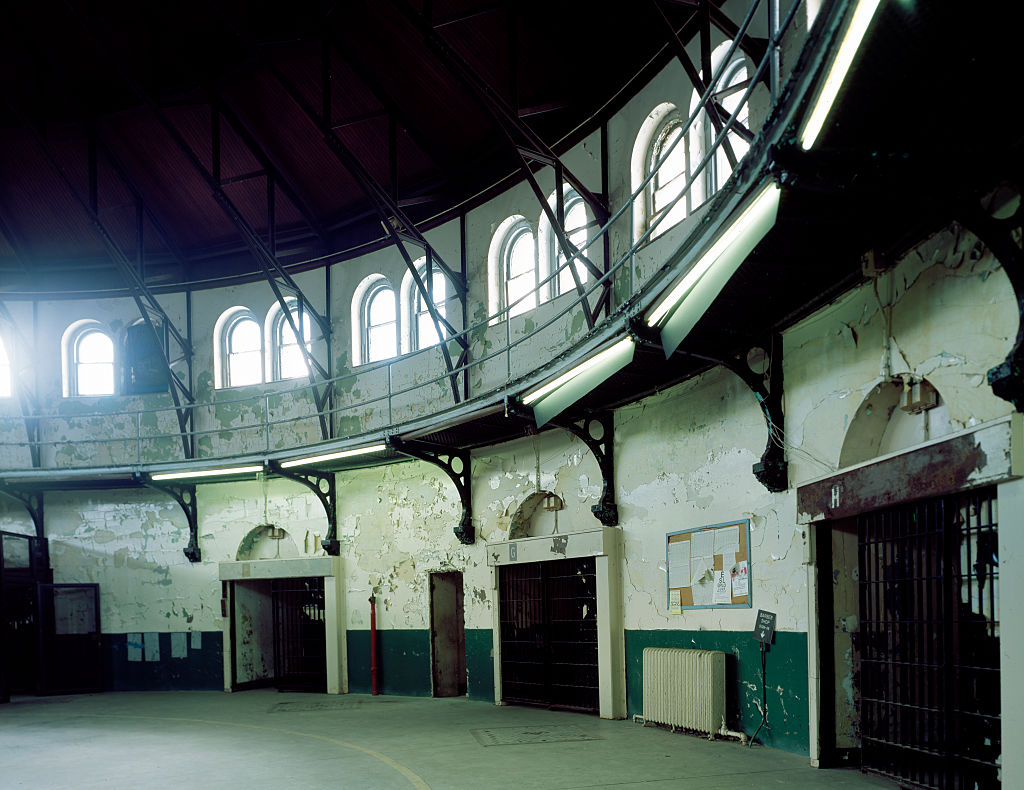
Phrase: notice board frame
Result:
[686,592]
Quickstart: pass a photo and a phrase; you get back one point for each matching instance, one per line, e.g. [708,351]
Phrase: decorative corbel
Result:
[603,448]
[454,463]
[323,485]
[185,495]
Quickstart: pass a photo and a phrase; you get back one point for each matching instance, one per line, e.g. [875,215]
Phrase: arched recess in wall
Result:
[537,515]
[882,426]
[266,542]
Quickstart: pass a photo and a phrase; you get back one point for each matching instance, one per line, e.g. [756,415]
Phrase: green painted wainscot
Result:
[786,671]
[180,661]
[404,662]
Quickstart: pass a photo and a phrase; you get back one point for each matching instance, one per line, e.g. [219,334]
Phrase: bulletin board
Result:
[709,567]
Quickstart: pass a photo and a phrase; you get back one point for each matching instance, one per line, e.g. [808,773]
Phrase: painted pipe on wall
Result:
[373,646]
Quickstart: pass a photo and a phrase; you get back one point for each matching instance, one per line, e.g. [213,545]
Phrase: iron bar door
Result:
[929,603]
[300,637]
[70,657]
[548,615]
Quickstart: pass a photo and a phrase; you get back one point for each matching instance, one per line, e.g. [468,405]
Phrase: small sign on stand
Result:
[764,626]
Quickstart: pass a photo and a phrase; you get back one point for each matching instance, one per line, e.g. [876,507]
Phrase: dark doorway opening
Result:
[929,642]
[69,637]
[300,637]
[548,615]
[447,635]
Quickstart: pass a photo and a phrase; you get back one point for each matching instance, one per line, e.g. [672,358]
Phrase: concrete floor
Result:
[264,739]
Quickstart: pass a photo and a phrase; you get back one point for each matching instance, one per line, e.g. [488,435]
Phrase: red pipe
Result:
[373,646]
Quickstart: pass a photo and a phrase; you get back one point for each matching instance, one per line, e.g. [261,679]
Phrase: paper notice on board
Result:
[700,569]
[727,541]
[701,592]
[740,578]
[675,601]
[721,594]
[679,564]
[702,544]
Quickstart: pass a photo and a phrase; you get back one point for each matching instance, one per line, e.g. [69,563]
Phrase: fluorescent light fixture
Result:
[722,252]
[195,473]
[554,397]
[862,16]
[315,459]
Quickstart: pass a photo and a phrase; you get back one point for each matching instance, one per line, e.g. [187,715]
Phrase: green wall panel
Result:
[786,671]
[403,660]
[404,663]
[480,663]
[201,668]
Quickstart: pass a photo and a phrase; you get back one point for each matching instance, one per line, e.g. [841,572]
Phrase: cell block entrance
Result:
[929,603]
[548,616]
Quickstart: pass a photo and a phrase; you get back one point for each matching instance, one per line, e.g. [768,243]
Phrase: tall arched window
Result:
[88,354]
[577,229]
[518,260]
[285,358]
[379,322]
[6,379]
[238,348]
[419,329]
[730,89]
[660,158]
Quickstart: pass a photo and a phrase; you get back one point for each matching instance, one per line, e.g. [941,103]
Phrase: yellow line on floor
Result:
[415,780]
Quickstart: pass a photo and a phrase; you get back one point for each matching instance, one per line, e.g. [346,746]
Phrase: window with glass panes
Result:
[668,162]
[244,347]
[94,363]
[380,323]
[576,222]
[520,269]
[423,323]
[6,380]
[290,361]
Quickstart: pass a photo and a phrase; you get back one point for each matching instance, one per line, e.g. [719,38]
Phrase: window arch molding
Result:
[283,356]
[578,222]
[651,143]
[371,340]
[238,348]
[513,249]
[88,359]
[417,327]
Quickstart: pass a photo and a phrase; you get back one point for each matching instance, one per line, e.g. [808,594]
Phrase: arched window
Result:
[6,379]
[729,91]
[577,229]
[419,331]
[379,322]
[88,355]
[660,150]
[285,357]
[238,349]
[517,260]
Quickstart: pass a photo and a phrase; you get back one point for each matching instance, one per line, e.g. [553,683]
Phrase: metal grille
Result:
[300,641]
[929,605]
[549,634]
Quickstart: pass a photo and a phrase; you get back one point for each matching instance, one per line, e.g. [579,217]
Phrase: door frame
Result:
[604,544]
[330,568]
[460,610]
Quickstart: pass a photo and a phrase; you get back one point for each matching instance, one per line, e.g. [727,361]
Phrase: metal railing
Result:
[403,389]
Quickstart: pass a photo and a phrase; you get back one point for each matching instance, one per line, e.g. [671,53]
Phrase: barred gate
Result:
[929,606]
[300,638]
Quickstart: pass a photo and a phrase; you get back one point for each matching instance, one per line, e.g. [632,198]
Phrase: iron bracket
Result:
[603,448]
[185,495]
[324,486]
[1007,378]
[455,464]
[33,502]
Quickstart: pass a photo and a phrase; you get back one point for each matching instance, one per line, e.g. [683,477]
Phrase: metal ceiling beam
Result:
[400,229]
[529,149]
[753,47]
[150,309]
[279,280]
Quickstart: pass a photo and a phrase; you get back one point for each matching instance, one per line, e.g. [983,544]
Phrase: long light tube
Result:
[315,459]
[188,475]
[766,200]
[581,368]
[855,31]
